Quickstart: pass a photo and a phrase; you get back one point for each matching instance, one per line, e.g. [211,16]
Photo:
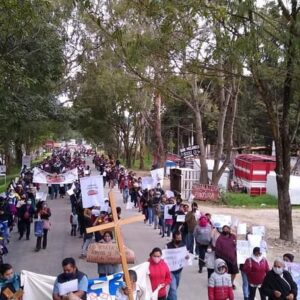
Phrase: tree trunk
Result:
[200,142]
[228,133]
[159,153]
[19,153]
[142,146]
[224,101]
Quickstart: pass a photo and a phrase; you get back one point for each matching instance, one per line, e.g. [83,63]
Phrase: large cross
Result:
[116,225]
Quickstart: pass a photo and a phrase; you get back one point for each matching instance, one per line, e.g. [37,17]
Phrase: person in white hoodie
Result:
[219,283]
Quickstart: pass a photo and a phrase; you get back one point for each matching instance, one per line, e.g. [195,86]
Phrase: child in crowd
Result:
[73,222]
[209,260]
[219,283]
[122,293]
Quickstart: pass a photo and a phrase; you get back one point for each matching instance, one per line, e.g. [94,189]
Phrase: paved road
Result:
[138,236]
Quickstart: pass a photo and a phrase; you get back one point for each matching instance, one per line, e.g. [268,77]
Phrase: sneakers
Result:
[82,256]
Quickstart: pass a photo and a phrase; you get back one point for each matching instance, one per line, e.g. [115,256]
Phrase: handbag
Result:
[38,228]
[103,253]
[46,224]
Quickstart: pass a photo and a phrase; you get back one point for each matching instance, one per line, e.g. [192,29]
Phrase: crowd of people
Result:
[182,223]
[214,246]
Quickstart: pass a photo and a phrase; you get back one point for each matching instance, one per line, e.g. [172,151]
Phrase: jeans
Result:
[40,238]
[190,242]
[174,285]
[25,227]
[87,239]
[245,285]
[201,252]
[150,215]
[168,229]
[155,219]
[252,292]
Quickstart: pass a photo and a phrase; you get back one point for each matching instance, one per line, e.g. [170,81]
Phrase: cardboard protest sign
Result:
[167,216]
[147,183]
[175,258]
[107,254]
[221,219]
[169,194]
[92,191]
[242,228]
[254,241]
[243,251]
[259,230]
[158,176]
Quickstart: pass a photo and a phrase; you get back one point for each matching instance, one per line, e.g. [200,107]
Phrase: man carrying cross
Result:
[116,226]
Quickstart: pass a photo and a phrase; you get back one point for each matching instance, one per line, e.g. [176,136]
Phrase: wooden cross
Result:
[116,225]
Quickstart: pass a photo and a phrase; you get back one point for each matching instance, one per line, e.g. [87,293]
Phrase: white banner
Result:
[259,230]
[92,191]
[176,258]
[242,228]
[243,251]
[167,216]
[42,177]
[158,176]
[221,219]
[38,286]
[147,183]
[26,161]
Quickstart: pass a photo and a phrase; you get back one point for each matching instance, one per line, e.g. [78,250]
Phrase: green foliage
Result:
[244,200]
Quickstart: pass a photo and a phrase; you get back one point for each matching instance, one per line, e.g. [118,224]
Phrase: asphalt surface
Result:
[139,237]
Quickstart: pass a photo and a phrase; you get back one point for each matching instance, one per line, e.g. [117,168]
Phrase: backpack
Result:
[203,235]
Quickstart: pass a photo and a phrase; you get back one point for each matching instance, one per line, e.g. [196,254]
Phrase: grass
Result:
[14,172]
[244,200]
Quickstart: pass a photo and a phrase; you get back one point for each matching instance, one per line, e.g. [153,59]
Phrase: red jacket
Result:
[159,274]
[256,271]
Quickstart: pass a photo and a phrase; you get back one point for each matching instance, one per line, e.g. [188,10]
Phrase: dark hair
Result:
[68,261]
[110,234]
[4,268]
[133,275]
[156,249]
[289,256]
[176,233]
[256,250]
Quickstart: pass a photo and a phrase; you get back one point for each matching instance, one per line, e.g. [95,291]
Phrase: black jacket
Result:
[274,282]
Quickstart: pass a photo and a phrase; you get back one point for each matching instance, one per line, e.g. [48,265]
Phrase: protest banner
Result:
[158,176]
[41,196]
[205,192]
[92,191]
[107,253]
[26,161]
[221,219]
[169,194]
[259,230]
[167,216]
[254,240]
[147,183]
[242,228]
[42,177]
[176,258]
[243,251]
[38,286]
